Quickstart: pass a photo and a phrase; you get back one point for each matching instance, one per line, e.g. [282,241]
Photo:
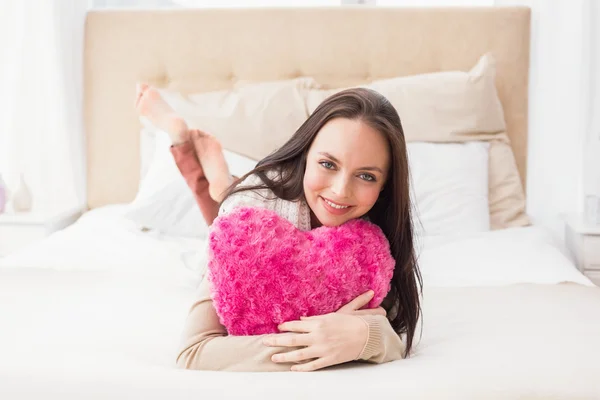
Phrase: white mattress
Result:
[96,312]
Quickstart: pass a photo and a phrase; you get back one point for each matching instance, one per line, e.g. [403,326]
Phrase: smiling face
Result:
[346,169]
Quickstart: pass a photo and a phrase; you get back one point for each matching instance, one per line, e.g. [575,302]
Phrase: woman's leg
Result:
[210,154]
[198,155]
[191,170]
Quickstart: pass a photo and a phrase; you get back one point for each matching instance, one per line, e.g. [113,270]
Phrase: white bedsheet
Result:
[95,327]
[105,240]
[503,257]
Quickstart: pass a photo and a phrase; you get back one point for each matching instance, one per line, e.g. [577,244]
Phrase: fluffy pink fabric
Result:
[265,271]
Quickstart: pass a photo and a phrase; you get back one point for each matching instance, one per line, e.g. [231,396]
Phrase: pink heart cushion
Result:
[265,271]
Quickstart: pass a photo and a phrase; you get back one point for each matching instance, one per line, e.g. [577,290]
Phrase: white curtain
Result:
[41,79]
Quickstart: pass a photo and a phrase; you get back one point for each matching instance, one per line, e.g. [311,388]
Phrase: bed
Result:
[96,310]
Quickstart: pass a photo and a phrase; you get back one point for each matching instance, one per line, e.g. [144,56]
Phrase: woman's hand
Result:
[326,340]
[354,307]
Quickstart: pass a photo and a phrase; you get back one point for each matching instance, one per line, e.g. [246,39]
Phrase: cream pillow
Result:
[252,119]
[457,106]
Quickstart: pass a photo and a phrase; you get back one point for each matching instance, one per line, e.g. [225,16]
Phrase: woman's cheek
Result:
[368,197]
[313,181]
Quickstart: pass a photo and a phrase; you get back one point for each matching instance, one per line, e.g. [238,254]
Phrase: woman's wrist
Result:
[373,338]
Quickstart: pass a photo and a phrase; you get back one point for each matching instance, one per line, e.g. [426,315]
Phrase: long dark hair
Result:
[391,212]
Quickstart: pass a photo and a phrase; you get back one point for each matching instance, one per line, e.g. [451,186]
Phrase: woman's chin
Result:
[330,220]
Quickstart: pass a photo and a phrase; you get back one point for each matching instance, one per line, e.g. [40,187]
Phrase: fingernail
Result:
[371,293]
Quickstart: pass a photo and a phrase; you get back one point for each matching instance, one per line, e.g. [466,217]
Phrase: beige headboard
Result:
[202,50]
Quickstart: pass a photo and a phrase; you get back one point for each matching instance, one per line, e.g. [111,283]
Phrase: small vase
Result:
[21,199]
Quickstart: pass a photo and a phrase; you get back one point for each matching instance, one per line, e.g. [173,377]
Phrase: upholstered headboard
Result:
[202,50]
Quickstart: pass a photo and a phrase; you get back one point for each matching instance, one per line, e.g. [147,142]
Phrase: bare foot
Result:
[151,105]
[210,154]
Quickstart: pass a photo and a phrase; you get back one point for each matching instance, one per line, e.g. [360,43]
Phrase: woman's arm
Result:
[206,345]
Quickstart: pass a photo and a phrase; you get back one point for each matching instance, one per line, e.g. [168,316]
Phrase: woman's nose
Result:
[340,187]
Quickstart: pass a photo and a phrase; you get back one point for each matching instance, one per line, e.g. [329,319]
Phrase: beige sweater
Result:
[205,343]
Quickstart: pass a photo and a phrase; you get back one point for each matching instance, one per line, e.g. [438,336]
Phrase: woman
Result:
[348,160]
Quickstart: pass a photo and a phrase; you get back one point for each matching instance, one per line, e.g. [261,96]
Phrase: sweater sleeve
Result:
[185,157]
[206,345]
[383,343]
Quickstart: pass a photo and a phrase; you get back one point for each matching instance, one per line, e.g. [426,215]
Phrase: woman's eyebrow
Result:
[328,155]
[324,153]
[371,169]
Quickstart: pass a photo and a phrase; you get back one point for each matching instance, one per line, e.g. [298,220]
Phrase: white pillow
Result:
[449,187]
[164,202]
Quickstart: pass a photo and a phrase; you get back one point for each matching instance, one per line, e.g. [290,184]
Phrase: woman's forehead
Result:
[352,140]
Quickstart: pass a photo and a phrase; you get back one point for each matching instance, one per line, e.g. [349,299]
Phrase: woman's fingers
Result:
[314,365]
[304,326]
[358,302]
[371,311]
[307,353]
[288,340]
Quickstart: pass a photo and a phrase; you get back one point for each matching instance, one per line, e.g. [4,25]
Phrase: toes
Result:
[140,89]
[197,134]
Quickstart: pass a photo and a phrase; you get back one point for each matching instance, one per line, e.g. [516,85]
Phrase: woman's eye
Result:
[367,177]
[327,164]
